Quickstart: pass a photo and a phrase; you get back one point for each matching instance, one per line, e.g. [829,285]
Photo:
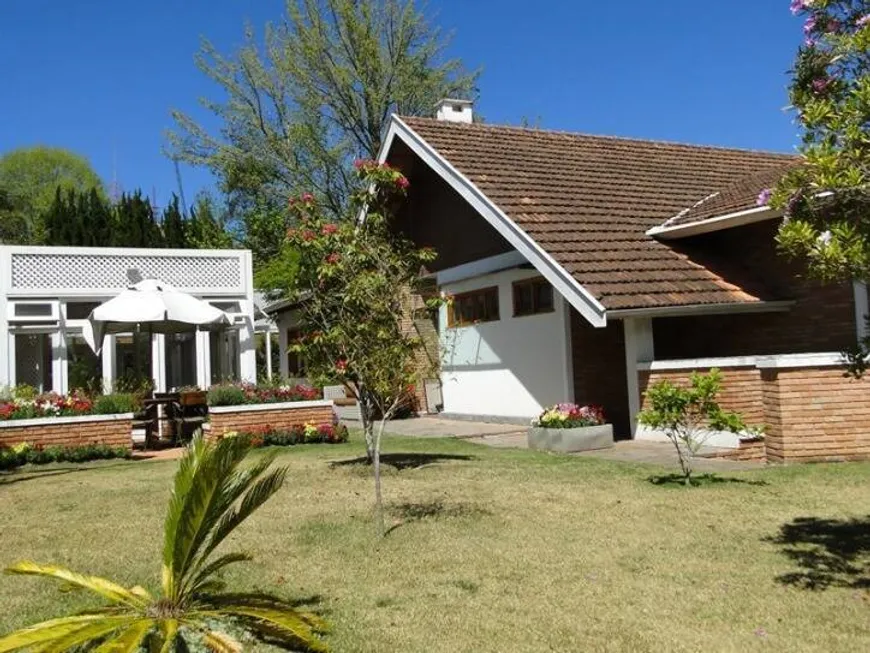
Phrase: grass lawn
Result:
[493,550]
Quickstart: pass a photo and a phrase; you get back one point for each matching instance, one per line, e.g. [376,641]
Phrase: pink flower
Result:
[341,366]
[798,6]
[821,85]
[307,198]
[764,197]
[333,258]
[402,182]
[329,229]
[863,21]
[308,235]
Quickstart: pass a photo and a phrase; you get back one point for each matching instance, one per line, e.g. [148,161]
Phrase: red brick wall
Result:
[278,418]
[822,319]
[741,389]
[816,415]
[599,370]
[115,433]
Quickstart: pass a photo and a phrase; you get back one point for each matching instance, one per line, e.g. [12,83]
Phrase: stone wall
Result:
[274,416]
[111,430]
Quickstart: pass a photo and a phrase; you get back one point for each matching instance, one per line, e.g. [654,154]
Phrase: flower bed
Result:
[566,428]
[25,453]
[269,436]
[22,404]
[241,394]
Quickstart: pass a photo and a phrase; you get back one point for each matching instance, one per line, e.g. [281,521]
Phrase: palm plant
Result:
[211,497]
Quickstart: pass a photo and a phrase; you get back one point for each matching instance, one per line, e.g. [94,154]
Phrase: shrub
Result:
[689,415]
[238,394]
[25,453]
[570,416]
[117,403]
[308,434]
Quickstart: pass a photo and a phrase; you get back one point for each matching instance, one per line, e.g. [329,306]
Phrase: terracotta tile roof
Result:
[741,195]
[588,201]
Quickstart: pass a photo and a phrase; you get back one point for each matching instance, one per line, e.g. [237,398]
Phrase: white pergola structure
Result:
[47,293]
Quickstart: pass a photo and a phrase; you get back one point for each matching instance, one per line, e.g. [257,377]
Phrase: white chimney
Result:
[455,111]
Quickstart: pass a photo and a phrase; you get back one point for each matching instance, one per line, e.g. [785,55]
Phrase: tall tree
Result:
[207,226]
[315,95]
[827,200]
[29,178]
[134,223]
[173,226]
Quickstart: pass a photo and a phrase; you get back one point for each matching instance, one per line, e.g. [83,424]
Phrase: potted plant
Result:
[565,428]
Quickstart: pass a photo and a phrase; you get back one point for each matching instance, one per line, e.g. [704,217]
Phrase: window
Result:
[533,296]
[26,312]
[33,357]
[473,307]
[80,310]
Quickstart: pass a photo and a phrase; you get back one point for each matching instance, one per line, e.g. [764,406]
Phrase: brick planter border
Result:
[78,431]
[278,416]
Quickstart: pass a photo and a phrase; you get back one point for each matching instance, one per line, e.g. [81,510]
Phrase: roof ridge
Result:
[607,137]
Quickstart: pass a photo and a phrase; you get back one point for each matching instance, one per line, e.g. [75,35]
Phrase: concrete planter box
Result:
[78,431]
[585,438]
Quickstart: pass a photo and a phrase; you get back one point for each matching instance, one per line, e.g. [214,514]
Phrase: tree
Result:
[173,226]
[827,199]
[354,280]
[316,95]
[29,177]
[134,223]
[689,415]
[211,497]
[206,228]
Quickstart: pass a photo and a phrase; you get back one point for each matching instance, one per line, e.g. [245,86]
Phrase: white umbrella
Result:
[154,304]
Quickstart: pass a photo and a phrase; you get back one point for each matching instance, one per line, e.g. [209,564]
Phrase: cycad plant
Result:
[212,496]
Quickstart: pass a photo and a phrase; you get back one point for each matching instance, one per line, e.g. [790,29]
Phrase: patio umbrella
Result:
[152,304]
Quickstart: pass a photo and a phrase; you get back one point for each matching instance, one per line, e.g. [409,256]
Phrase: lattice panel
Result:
[109,272]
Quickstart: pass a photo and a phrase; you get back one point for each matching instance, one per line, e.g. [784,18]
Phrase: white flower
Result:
[825,238]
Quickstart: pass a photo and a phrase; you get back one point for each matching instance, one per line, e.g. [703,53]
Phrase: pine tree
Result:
[173,225]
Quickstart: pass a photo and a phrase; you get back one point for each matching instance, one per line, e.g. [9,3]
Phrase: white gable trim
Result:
[480,268]
[738,219]
[581,299]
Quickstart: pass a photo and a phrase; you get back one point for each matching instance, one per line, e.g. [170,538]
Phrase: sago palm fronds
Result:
[212,495]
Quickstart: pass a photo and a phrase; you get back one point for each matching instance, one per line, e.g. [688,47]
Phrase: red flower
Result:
[307,198]
[402,182]
[341,365]
[333,258]
[308,235]
[329,229]
[291,233]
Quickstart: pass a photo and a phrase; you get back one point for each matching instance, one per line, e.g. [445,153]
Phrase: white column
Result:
[639,348]
[567,350]
[203,360]
[109,367]
[158,361]
[247,352]
[268,335]
[59,362]
[6,355]
[861,310]
[10,345]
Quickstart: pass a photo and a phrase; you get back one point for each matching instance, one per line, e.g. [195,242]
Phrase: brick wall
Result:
[741,389]
[66,433]
[599,371]
[815,415]
[804,328]
[276,418]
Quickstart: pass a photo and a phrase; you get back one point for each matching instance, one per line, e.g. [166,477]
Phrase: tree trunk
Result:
[365,410]
[380,523]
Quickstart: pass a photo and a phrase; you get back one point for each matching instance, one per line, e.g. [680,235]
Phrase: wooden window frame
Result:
[536,310]
[454,320]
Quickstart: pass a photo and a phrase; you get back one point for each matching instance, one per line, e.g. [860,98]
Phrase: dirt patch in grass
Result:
[491,550]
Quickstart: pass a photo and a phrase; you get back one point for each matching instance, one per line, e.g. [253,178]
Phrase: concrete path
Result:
[513,436]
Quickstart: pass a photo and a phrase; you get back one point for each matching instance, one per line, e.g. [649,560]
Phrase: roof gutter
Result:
[703,309]
[581,299]
[738,219]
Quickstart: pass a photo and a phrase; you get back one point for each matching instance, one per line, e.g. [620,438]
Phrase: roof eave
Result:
[579,297]
[703,309]
[736,219]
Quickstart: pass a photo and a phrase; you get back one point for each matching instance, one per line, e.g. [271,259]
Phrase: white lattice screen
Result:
[109,272]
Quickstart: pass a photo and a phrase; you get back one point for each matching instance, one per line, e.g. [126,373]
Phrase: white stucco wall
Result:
[506,368]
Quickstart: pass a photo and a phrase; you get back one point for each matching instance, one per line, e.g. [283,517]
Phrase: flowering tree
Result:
[827,200]
[354,284]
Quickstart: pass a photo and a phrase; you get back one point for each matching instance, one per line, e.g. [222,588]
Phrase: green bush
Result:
[116,403]
[226,395]
[23,454]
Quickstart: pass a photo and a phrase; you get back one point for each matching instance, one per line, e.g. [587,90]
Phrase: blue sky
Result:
[100,76]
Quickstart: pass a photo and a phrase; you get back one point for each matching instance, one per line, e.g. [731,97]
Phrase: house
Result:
[586,268]
[47,293]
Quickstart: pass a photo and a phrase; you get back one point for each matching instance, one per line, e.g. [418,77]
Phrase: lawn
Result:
[492,550]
